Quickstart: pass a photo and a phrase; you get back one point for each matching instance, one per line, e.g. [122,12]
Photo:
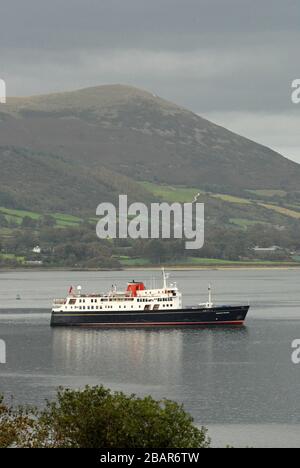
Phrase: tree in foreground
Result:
[98,418]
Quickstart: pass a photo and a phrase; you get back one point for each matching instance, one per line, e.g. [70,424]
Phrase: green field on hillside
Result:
[268,193]
[232,199]
[17,216]
[12,257]
[282,210]
[170,193]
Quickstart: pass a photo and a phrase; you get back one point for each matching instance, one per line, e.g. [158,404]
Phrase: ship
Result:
[138,306]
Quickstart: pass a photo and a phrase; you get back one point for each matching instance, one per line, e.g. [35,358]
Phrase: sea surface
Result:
[240,383]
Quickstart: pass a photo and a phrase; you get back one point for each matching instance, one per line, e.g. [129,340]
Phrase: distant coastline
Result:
[223,267]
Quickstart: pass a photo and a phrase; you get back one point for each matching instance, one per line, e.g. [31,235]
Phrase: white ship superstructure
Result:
[136,297]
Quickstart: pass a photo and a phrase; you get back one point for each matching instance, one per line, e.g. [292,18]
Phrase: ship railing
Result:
[59,301]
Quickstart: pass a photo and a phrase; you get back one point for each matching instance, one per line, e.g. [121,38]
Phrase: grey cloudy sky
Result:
[231,61]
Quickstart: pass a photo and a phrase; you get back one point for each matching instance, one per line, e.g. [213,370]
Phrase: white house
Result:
[273,248]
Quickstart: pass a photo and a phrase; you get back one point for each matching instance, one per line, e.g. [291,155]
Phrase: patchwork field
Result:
[170,193]
[282,210]
[17,217]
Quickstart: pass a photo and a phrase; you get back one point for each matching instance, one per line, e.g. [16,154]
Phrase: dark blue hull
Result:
[192,316]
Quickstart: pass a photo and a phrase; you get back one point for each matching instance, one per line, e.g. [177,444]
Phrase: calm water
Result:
[240,383]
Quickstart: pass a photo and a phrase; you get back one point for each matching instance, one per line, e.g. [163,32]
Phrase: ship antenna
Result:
[210,303]
[165,278]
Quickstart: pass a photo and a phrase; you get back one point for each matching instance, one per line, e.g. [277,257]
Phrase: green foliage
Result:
[98,418]
[18,427]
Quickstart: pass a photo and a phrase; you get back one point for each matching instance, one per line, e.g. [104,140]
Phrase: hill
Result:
[63,154]
[138,135]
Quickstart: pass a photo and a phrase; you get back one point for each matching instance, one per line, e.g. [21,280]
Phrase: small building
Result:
[37,250]
[272,249]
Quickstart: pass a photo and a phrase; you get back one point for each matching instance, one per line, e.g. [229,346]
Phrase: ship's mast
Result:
[210,303]
[164,278]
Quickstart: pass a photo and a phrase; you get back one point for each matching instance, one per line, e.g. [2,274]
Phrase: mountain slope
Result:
[46,183]
[83,143]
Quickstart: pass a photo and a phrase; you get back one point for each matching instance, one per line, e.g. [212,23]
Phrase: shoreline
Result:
[158,268]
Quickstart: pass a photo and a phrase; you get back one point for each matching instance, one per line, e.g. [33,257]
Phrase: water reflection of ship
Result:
[173,364]
[144,355]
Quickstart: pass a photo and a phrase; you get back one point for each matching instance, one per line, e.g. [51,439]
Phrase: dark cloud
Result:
[131,23]
[213,56]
